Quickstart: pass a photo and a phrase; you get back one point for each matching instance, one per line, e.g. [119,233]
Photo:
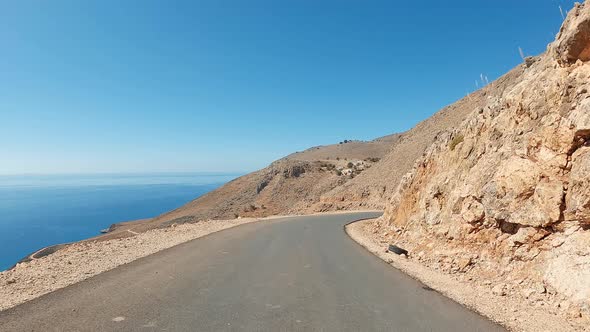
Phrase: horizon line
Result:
[130,173]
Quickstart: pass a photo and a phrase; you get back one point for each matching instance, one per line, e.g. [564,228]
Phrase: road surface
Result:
[292,274]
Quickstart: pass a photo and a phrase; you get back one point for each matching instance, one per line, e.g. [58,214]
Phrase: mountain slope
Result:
[372,188]
[289,185]
[309,181]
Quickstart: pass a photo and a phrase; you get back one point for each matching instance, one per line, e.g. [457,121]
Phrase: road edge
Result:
[466,294]
[79,261]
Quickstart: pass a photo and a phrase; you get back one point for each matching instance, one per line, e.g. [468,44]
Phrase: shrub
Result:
[350,165]
[338,172]
[455,141]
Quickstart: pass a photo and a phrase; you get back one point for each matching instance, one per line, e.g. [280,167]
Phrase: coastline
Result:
[40,212]
[51,249]
[81,260]
[84,259]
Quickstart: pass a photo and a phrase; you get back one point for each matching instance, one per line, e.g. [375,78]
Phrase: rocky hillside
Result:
[345,176]
[319,179]
[372,188]
[505,196]
[290,185]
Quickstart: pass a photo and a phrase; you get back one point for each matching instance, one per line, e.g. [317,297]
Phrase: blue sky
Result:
[142,86]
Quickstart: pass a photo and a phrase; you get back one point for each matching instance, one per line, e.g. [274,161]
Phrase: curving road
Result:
[292,274]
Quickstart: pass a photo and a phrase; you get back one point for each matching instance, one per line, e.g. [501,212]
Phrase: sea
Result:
[42,210]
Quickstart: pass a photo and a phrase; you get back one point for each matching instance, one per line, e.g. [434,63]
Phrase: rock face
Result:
[568,270]
[573,40]
[512,181]
[577,200]
[373,187]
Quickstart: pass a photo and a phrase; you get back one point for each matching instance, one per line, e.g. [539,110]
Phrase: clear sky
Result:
[141,86]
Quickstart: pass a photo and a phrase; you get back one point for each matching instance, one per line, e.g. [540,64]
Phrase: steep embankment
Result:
[505,196]
[372,188]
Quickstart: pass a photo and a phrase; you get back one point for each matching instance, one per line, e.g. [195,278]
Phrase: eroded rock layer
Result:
[508,190]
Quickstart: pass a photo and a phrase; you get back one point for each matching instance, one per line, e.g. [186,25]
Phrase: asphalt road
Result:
[295,274]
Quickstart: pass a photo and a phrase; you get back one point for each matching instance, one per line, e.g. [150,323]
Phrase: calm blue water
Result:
[37,211]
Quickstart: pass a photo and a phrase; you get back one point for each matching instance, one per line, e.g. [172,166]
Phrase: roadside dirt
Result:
[466,289]
[82,260]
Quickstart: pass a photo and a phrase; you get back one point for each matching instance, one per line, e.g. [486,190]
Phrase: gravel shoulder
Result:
[82,260]
[505,310]
[290,274]
[78,261]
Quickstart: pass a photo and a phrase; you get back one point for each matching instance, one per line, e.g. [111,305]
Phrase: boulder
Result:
[517,177]
[533,201]
[472,210]
[573,40]
[524,235]
[543,208]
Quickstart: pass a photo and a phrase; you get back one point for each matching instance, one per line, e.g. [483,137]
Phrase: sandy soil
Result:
[505,310]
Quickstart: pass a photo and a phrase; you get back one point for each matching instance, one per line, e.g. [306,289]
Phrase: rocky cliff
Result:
[505,195]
